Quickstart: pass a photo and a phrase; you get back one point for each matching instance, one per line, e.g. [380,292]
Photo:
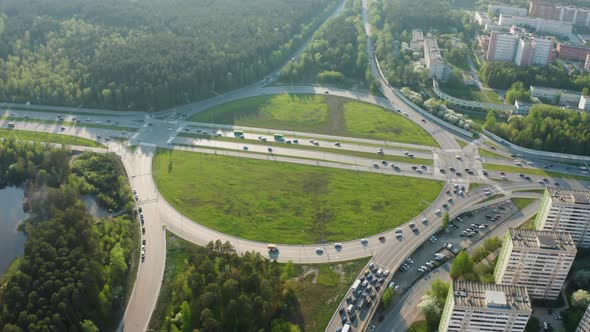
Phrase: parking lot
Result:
[423,260]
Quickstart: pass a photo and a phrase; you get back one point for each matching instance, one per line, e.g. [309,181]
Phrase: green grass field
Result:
[419,326]
[26,135]
[318,114]
[521,203]
[533,171]
[317,148]
[490,154]
[287,203]
[475,94]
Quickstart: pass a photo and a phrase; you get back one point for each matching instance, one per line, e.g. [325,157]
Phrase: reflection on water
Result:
[92,207]
[12,242]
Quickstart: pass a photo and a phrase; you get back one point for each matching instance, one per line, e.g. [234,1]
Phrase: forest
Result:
[219,290]
[73,275]
[336,53]
[146,55]
[546,128]
[501,75]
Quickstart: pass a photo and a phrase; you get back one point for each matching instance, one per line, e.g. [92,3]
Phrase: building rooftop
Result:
[491,296]
[417,35]
[536,87]
[432,47]
[568,196]
[546,240]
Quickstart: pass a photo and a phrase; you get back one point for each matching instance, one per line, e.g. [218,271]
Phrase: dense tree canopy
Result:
[547,128]
[337,51]
[73,274]
[221,291]
[502,75]
[144,54]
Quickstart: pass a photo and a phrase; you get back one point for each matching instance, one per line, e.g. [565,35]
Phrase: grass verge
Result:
[489,154]
[419,326]
[287,203]
[521,203]
[314,148]
[529,224]
[318,114]
[35,136]
[533,171]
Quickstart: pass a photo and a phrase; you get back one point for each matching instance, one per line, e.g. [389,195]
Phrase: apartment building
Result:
[584,325]
[539,24]
[520,47]
[437,68]
[584,104]
[474,307]
[572,52]
[556,96]
[566,210]
[539,260]
[562,13]
[417,40]
[507,10]
[501,46]
[522,107]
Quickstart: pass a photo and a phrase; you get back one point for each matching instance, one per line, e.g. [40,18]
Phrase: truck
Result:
[272,247]
[355,285]
[238,133]
[279,137]
[11,125]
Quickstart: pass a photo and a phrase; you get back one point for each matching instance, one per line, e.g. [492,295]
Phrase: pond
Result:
[12,242]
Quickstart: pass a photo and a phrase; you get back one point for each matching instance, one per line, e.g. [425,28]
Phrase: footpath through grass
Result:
[533,171]
[318,114]
[360,154]
[287,203]
[26,135]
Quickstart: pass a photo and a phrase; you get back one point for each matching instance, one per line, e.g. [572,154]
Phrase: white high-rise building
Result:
[539,260]
[566,210]
[474,307]
[584,325]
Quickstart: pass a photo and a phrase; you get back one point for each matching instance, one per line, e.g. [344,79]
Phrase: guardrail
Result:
[434,118]
[469,103]
[554,156]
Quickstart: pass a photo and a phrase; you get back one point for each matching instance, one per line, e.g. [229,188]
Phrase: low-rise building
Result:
[566,210]
[539,260]
[584,325]
[587,64]
[472,306]
[482,18]
[435,64]
[522,107]
[556,96]
[417,40]
[539,24]
[572,52]
[507,10]
[584,104]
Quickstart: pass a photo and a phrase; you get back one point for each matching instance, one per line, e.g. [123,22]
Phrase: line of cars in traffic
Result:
[142,221]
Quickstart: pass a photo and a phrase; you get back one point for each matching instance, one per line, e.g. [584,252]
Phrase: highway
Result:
[162,129]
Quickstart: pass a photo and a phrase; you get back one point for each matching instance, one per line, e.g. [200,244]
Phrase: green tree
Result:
[445,221]
[533,325]
[462,265]
[88,326]
[580,299]
[387,297]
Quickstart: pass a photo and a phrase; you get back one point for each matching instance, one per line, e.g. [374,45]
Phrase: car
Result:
[410,260]
[364,241]
[420,269]
[429,264]
[398,230]
[424,220]
[337,245]
[295,141]
[442,171]
[319,251]
[376,165]
[337,143]
[391,284]
[384,162]
[143,230]
[382,238]
[365,283]
[437,211]
[142,254]
[396,288]
[245,148]
[379,272]
[558,317]
[398,235]
[423,120]
[386,272]
[424,267]
[371,265]
[270,150]
[380,150]
[327,92]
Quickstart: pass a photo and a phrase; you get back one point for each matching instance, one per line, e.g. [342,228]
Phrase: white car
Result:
[338,245]
[386,273]
[396,288]
[437,211]
[364,241]
[379,272]
[398,230]
[319,251]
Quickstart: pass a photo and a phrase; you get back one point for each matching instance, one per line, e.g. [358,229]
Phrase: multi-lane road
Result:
[161,129]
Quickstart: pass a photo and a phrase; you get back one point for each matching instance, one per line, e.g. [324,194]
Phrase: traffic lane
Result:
[293,151]
[311,162]
[84,132]
[79,119]
[151,269]
[304,141]
[32,107]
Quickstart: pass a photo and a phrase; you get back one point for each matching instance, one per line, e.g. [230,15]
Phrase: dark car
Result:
[382,238]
